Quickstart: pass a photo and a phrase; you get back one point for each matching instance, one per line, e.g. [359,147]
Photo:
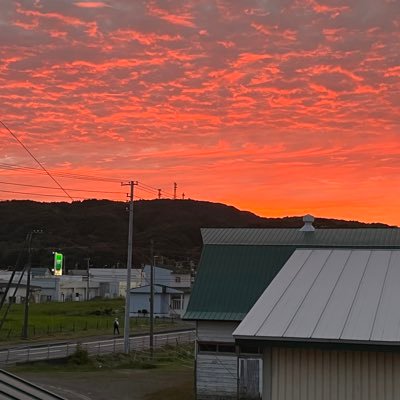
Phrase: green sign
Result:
[58,263]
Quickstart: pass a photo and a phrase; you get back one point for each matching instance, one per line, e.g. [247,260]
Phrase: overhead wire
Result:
[16,167]
[37,161]
[95,178]
[49,195]
[53,188]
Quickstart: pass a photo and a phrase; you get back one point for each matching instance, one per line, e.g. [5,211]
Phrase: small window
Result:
[249,349]
[177,279]
[176,302]
[216,348]
[207,347]
[226,348]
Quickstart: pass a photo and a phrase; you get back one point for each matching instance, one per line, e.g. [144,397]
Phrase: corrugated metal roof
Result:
[371,237]
[14,388]
[339,295]
[231,278]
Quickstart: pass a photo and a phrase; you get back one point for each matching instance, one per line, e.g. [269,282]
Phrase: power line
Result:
[34,194]
[53,188]
[148,186]
[48,195]
[40,164]
[152,190]
[95,178]
[69,175]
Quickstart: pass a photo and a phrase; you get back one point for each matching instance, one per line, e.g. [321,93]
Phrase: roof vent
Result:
[308,224]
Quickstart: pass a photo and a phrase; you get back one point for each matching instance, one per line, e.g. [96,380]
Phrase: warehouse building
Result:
[328,327]
[238,267]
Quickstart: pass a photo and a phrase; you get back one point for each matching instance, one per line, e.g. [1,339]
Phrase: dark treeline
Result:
[98,229]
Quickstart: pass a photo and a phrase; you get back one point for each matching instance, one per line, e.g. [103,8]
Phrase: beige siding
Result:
[313,374]
[216,331]
[216,377]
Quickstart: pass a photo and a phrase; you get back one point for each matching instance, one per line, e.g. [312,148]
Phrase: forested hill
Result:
[98,229]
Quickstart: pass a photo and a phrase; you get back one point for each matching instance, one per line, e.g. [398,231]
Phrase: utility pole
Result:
[128,267]
[153,259]
[175,187]
[88,278]
[28,283]
[159,194]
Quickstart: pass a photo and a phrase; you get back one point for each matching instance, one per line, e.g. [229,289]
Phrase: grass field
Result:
[168,376]
[73,319]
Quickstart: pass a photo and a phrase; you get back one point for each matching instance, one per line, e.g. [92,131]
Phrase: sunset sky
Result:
[275,106]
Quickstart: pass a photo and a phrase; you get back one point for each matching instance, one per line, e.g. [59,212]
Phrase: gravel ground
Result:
[120,384]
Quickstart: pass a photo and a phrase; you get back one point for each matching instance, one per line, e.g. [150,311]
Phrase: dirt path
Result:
[120,384]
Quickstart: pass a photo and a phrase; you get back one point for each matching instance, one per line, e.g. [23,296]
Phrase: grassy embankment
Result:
[74,319]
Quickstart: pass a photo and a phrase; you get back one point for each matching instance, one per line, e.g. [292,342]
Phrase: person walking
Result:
[116,326]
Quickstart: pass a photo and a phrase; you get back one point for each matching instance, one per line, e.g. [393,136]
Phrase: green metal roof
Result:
[365,237]
[237,264]
[231,278]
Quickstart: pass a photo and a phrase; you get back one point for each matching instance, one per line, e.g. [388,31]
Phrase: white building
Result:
[17,295]
[112,281]
[102,282]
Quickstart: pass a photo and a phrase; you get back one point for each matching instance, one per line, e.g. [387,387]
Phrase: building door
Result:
[250,378]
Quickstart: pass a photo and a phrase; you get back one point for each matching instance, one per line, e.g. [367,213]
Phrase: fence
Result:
[140,344]
[102,324]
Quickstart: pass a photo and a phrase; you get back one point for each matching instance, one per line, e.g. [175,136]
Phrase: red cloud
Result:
[298,104]
[92,4]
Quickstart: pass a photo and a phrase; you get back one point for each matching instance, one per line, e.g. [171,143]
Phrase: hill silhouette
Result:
[98,229]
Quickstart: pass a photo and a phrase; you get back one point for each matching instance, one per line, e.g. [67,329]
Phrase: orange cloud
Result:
[296,105]
[91,4]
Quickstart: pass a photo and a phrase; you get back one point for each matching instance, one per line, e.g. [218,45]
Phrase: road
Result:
[53,351]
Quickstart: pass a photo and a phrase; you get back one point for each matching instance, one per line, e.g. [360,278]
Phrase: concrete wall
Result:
[314,374]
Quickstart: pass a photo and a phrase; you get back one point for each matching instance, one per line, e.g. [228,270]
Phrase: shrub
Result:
[80,356]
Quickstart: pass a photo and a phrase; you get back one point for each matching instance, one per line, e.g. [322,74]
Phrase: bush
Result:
[80,356]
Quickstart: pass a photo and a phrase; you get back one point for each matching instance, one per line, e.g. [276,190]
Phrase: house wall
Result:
[216,377]
[50,288]
[140,301]
[216,331]
[216,373]
[20,295]
[314,374]
[180,280]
